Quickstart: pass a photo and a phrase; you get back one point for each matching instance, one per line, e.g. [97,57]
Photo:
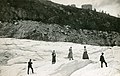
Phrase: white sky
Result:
[110,6]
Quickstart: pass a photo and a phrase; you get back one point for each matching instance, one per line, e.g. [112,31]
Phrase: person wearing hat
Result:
[30,66]
[102,60]
[85,54]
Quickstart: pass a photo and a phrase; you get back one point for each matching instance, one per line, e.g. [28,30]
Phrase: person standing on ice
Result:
[70,54]
[85,55]
[30,66]
[53,57]
[102,60]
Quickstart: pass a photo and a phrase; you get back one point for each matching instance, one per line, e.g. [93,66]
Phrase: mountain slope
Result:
[52,13]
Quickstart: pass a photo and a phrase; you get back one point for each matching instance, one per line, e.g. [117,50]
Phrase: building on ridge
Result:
[87,6]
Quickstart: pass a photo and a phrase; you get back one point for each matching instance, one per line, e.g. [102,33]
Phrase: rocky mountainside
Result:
[45,20]
[53,32]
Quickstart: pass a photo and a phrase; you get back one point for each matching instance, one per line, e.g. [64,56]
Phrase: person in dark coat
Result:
[30,66]
[85,55]
[70,54]
[102,60]
[53,57]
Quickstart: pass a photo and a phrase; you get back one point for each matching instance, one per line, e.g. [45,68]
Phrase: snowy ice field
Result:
[15,53]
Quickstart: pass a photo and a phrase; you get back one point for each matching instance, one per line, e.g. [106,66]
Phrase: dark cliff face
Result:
[52,13]
[49,21]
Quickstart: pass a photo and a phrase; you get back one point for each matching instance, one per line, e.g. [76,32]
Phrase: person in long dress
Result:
[85,55]
[70,54]
[53,57]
